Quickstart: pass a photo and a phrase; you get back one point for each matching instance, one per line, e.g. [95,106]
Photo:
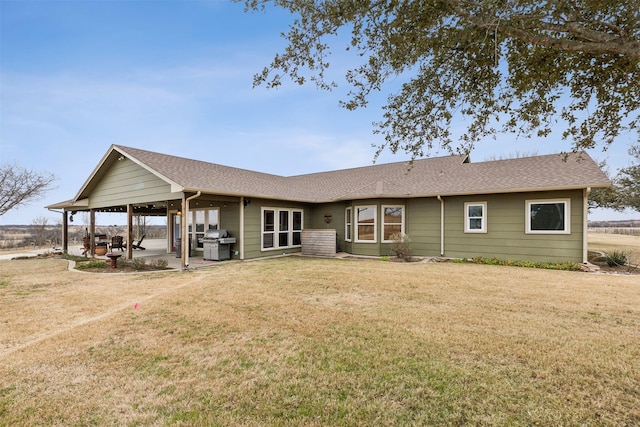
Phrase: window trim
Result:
[348,224]
[276,228]
[375,224]
[402,221]
[567,215]
[467,227]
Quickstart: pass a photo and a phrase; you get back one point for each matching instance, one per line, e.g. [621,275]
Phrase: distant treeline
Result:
[21,236]
[615,224]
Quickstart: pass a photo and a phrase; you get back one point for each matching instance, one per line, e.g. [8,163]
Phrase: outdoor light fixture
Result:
[121,157]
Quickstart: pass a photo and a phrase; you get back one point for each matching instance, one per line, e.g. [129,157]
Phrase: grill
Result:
[217,245]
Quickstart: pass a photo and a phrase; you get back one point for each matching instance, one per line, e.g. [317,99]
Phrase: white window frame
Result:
[276,232]
[392,223]
[567,216]
[348,224]
[467,218]
[357,224]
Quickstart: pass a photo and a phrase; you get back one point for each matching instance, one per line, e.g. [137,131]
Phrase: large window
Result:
[366,224]
[548,216]
[281,228]
[348,224]
[475,217]
[392,222]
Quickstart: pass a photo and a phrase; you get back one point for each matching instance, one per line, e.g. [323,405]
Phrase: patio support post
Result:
[92,231]
[65,232]
[129,231]
[184,235]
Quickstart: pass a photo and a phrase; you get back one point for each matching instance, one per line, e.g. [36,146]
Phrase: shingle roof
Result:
[444,176]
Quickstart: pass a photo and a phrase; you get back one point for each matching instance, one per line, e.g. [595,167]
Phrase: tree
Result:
[516,66]
[625,191]
[20,186]
[39,227]
[628,182]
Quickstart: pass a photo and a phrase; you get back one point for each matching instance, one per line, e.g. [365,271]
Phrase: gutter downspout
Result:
[185,238]
[441,225]
[242,199]
[585,226]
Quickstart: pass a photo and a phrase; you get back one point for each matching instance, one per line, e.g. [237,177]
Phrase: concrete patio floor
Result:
[154,249]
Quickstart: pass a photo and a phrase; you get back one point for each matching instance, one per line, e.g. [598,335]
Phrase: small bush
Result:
[617,258]
[400,246]
[159,263]
[91,264]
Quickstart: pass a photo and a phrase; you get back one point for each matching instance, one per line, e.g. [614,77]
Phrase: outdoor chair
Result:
[118,243]
[137,245]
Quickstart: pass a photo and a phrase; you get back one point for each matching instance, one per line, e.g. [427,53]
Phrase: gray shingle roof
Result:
[445,176]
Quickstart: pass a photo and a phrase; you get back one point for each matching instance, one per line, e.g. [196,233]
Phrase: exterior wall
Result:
[506,221]
[330,216]
[126,182]
[253,224]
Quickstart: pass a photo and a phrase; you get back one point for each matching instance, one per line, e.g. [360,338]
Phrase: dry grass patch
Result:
[296,341]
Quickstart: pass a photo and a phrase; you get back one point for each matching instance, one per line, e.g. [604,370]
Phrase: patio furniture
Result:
[137,245]
[117,242]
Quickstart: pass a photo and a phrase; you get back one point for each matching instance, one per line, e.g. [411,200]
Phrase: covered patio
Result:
[154,249]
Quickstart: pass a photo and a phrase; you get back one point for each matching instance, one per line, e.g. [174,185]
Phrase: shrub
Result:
[400,246]
[91,264]
[159,263]
[616,258]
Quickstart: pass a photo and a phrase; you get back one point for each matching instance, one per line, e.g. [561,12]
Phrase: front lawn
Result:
[302,341]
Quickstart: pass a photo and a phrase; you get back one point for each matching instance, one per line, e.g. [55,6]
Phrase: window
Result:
[366,224]
[348,224]
[475,217]
[392,222]
[281,228]
[547,216]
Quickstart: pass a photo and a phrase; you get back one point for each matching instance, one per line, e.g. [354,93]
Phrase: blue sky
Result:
[176,77]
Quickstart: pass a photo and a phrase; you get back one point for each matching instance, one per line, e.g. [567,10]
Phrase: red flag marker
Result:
[135,307]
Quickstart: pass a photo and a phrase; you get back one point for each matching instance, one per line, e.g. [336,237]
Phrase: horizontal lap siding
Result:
[506,237]
[253,226]
[423,226]
[127,183]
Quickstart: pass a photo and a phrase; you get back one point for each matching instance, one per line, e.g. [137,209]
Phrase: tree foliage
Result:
[20,186]
[625,192]
[519,66]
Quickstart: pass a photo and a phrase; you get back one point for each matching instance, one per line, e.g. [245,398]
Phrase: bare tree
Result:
[39,227]
[20,186]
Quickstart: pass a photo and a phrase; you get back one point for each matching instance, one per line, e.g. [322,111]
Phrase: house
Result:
[532,208]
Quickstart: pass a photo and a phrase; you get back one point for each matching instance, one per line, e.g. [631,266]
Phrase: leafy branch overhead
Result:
[519,66]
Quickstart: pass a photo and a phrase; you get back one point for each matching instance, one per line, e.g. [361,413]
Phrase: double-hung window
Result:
[548,216]
[366,224]
[281,228]
[475,217]
[392,222]
[348,224]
